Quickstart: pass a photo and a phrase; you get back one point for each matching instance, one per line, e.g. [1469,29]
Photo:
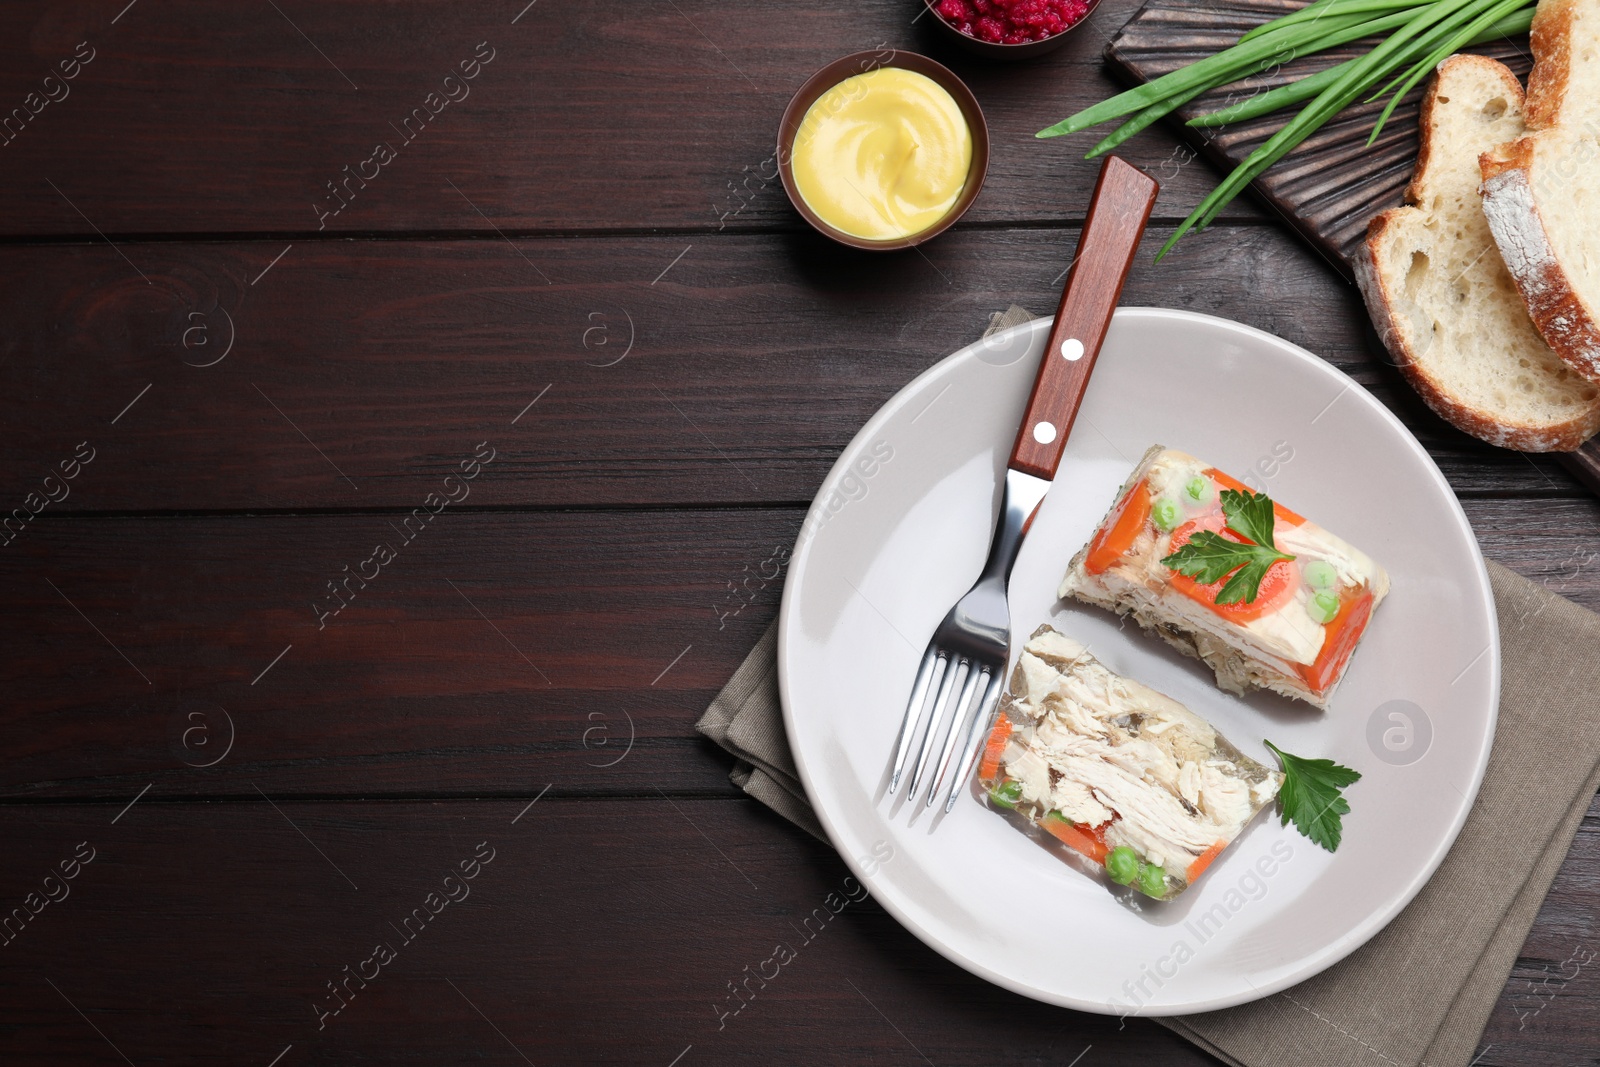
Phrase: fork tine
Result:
[932,669]
[974,677]
[980,723]
[952,678]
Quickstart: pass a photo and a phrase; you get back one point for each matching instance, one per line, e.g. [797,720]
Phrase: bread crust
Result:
[1520,228]
[1383,305]
[1551,38]
[1558,437]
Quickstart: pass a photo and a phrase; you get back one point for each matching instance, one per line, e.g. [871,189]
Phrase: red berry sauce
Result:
[1012,21]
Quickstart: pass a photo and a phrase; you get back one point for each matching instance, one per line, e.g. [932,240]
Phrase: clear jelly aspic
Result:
[1298,634]
[1126,778]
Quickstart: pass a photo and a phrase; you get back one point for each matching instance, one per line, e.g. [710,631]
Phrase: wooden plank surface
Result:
[494,650]
[589,116]
[360,374]
[599,932]
[603,182]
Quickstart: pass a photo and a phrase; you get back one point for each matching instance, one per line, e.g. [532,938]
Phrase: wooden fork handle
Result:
[1123,197]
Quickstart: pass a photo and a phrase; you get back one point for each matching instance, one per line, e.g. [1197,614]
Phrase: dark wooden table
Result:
[563,350]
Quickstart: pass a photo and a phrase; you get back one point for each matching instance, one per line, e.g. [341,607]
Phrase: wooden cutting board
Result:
[1333,183]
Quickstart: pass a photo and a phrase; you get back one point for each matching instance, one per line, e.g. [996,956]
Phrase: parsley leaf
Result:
[1246,581]
[1250,515]
[1310,796]
[1208,556]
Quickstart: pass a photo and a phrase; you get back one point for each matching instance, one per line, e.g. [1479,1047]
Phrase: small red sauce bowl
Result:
[997,50]
[860,63]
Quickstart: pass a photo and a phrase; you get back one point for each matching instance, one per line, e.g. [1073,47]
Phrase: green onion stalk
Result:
[1312,84]
[1420,35]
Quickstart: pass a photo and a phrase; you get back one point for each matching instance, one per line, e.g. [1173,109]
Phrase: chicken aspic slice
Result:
[1299,625]
[1125,777]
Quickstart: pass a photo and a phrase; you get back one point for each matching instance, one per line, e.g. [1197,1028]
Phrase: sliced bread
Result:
[1541,192]
[1440,295]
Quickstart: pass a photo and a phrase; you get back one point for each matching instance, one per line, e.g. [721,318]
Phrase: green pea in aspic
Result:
[1152,881]
[1122,865]
[1007,793]
[1166,513]
[1323,607]
[1320,574]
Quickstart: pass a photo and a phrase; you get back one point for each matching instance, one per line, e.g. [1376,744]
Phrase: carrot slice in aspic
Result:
[1279,512]
[993,748]
[1089,840]
[1198,867]
[1272,592]
[1113,539]
[1339,639]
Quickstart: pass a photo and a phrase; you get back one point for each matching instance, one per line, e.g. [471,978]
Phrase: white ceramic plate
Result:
[900,530]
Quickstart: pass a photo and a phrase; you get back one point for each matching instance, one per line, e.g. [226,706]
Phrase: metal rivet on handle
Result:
[1072,348]
[1044,432]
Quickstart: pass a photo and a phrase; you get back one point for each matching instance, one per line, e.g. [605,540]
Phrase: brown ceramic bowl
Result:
[860,63]
[991,50]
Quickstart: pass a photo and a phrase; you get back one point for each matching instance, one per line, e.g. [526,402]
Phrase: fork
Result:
[970,648]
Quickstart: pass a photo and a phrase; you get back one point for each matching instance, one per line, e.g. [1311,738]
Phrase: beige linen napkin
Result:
[1420,992]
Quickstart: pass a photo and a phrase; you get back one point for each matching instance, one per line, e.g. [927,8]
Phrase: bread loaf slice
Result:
[1439,292]
[1541,192]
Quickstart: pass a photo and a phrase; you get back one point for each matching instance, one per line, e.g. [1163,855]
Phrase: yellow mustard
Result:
[882,155]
